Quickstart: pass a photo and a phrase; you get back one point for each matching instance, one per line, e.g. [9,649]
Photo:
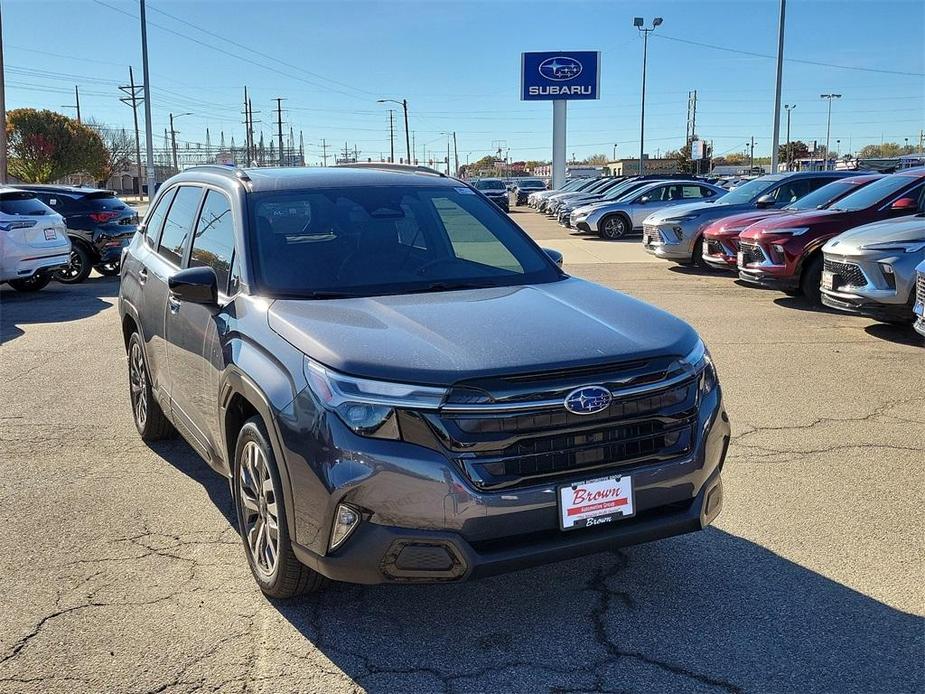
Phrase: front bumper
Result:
[770,280]
[500,202]
[862,306]
[671,241]
[720,252]
[425,522]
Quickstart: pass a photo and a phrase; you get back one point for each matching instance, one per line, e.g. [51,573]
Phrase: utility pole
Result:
[455,154]
[828,126]
[146,83]
[447,156]
[392,135]
[76,104]
[301,148]
[279,127]
[751,156]
[789,108]
[248,144]
[414,150]
[404,105]
[3,162]
[133,98]
[324,151]
[775,135]
[173,145]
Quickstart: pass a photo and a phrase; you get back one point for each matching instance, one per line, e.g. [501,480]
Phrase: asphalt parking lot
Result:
[120,569]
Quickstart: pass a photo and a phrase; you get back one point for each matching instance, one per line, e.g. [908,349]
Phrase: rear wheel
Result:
[108,269]
[262,523]
[32,284]
[614,227]
[150,420]
[810,279]
[78,269]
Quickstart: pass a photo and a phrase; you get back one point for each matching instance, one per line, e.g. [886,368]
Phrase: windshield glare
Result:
[335,242]
[531,183]
[747,192]
[873,194]
[489,185]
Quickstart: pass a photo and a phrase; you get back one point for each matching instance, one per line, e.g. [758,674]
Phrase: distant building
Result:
[629,167]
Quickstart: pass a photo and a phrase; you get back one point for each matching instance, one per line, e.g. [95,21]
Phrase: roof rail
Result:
[230,170]
[388,166]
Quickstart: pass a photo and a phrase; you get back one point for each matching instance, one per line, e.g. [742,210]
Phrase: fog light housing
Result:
[346,520]
[887,271]
[777,250]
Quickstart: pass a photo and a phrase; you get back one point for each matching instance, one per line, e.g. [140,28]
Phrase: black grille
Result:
[715,248]
[920,288]
[847,274]
[751,254]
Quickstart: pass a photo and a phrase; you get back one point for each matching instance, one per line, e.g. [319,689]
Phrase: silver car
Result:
[919,308]
[616,219]
[870,270]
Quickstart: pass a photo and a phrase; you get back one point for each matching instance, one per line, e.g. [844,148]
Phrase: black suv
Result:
[98,223]
[495,190]
[400,385]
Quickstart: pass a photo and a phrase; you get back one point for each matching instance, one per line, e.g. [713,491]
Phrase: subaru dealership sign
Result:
[557,75]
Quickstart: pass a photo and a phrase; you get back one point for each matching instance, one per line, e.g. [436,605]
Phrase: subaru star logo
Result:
[588,400]
[560,69]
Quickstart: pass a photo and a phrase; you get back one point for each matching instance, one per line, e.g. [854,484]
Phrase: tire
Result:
[150,420]
[793,292]
[260,504]
[79,268]
[108,269]
[614,227]
[32,284]
[810,279]
[697,256]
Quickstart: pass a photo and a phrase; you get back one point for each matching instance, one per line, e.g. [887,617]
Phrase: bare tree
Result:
[120,148]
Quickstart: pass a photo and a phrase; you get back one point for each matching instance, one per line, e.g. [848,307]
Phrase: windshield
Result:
[824,195]
[489,185]
[748,191]
[620,190]
[531,183]
[873,194]
[338,242]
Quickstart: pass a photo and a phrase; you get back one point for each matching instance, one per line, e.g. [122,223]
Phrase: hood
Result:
[910,228]
[443,337]
[824,221]
[742,220]
[706,210]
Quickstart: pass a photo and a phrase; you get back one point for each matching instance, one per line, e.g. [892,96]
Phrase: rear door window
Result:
[213,245]
[179,223]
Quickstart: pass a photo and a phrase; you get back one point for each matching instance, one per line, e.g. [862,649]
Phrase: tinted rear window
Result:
[23,204]
[100,201]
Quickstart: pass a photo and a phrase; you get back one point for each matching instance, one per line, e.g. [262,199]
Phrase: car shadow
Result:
[800,303]
[56,303]
[899,334]
[696,271]
[702,612]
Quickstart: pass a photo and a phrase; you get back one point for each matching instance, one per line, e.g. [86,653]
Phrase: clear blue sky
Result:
[457,63]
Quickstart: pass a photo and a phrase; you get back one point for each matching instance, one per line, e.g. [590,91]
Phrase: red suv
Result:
[785,252]
[721,238]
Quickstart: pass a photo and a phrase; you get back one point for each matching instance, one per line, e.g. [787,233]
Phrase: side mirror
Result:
[644,199]
[554,255]
[765,201]
[905,205]
[198,285]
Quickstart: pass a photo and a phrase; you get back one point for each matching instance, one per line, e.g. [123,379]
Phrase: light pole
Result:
[828,125]
[173,140]
[614,152]
[639,23]
[404,104]
[775,139]
[789,108]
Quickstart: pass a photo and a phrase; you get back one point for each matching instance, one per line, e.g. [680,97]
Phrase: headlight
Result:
[699,360]
[793,231]
[684,218]
[365,405]
[911,246]
[730,230]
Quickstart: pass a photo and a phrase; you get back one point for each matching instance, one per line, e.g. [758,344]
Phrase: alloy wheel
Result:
[138,382]
[614,228]
[73,269]
[259,509]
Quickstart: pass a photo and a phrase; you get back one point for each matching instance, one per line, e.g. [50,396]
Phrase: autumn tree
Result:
[885,150]
[44,146]
[120,148]
[798,150]
[596,160]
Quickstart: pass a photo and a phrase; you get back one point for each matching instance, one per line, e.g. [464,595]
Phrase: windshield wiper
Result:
[445,287]
[329,295]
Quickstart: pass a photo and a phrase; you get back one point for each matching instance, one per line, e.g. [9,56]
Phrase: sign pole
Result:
[558,142]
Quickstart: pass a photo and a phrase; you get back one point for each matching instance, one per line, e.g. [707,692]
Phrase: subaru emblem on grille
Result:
[588,400]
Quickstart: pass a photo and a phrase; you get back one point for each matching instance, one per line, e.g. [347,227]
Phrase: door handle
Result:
[173,303]
[143,275]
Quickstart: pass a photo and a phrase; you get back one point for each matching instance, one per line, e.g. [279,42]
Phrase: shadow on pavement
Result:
[901,334]
[800,303]
[56,303]
[695,271]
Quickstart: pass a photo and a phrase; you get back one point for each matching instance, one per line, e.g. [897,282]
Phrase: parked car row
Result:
[62,233]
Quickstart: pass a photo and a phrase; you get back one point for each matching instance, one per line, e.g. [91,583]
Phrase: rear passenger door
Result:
[194,351]
[164,259]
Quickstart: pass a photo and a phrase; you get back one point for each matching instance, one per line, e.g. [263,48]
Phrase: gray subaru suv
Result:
[401,386]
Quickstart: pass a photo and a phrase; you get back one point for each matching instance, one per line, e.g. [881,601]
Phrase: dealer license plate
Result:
[50,234]
[740,259]
[828,280]
[645,239]
[596,502]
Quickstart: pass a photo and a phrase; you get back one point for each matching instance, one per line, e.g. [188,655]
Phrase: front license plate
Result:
[596,502]
[50,234]
[645,239]
[740,259]
[828,280]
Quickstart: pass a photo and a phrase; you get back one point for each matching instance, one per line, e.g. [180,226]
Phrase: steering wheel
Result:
[439,261]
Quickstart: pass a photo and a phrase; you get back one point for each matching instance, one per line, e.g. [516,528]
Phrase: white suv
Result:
[33,240]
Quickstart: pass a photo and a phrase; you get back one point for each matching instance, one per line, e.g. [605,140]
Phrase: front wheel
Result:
[78,269]
[810,279]
[697,256]
[614,227]
[262,522]
[32,284]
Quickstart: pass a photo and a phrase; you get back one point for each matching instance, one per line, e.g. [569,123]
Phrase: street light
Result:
[404,104]
[173,139]
[828,125]
[639,23]
[789,108]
